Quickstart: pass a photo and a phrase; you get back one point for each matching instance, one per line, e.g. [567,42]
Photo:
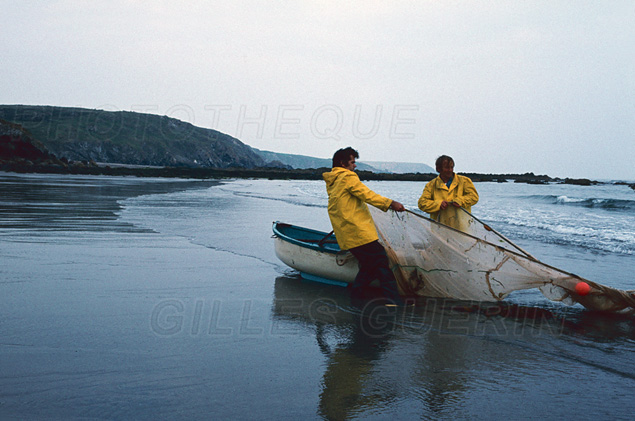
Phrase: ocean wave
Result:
[598,238]
[290,199]
[587,202]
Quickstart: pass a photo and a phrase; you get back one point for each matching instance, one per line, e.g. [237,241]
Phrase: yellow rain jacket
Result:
[352,224]
[461,191]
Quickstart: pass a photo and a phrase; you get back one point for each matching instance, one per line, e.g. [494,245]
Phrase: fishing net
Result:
[463,258]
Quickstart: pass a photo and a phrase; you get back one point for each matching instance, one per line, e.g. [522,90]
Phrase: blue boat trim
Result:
[315,278]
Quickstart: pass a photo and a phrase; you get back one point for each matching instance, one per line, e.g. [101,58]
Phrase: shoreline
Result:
[274,173]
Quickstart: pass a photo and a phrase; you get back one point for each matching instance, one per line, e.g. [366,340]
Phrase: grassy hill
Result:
[130,138]
[80,134]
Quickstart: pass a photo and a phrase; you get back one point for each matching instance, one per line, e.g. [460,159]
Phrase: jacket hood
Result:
[331,176]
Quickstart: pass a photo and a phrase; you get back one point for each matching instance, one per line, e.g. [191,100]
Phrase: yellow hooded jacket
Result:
[352,224]
[461,191]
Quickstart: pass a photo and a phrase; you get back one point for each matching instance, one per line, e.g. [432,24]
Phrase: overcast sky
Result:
[502,86]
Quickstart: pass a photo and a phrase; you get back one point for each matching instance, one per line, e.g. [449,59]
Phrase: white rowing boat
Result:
[315,254]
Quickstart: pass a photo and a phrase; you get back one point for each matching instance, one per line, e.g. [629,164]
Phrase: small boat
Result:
[315,254]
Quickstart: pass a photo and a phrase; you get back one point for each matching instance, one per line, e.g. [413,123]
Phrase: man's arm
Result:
[359,190]
[470,195]
[426,201]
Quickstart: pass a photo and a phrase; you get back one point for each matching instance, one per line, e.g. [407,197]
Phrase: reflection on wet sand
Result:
[353,340]
[434,353]
[76,203]
[357,341]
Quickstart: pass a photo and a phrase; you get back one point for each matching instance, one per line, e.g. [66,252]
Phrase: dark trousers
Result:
[374,264]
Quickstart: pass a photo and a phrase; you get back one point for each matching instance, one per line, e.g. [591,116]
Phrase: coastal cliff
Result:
[130,138]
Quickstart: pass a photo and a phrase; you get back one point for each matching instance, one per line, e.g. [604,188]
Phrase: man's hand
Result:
[445,204]
[396,206]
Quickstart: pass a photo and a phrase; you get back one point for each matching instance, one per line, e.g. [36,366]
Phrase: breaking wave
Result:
[588,202]
[554,229]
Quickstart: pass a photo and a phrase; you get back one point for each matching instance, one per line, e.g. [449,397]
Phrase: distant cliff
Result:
[402,167]
[306,162]
[79,134]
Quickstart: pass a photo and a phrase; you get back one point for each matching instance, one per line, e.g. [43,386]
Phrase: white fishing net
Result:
[467,260]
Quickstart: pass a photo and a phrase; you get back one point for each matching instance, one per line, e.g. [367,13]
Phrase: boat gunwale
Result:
[312,246]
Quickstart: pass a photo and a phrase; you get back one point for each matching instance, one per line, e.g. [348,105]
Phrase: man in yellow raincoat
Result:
[354,227]
[448,189]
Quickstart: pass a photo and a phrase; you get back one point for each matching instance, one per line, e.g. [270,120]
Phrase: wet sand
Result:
[106,319]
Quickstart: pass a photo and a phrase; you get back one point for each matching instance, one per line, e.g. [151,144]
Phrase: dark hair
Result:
[342,156]
[440,160]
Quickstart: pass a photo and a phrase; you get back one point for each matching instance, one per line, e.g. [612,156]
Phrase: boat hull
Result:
[314,262]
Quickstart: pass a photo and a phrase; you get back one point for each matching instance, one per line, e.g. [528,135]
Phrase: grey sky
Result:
[502,86]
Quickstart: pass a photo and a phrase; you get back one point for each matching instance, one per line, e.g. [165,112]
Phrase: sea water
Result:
[587,230]
[147,298]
